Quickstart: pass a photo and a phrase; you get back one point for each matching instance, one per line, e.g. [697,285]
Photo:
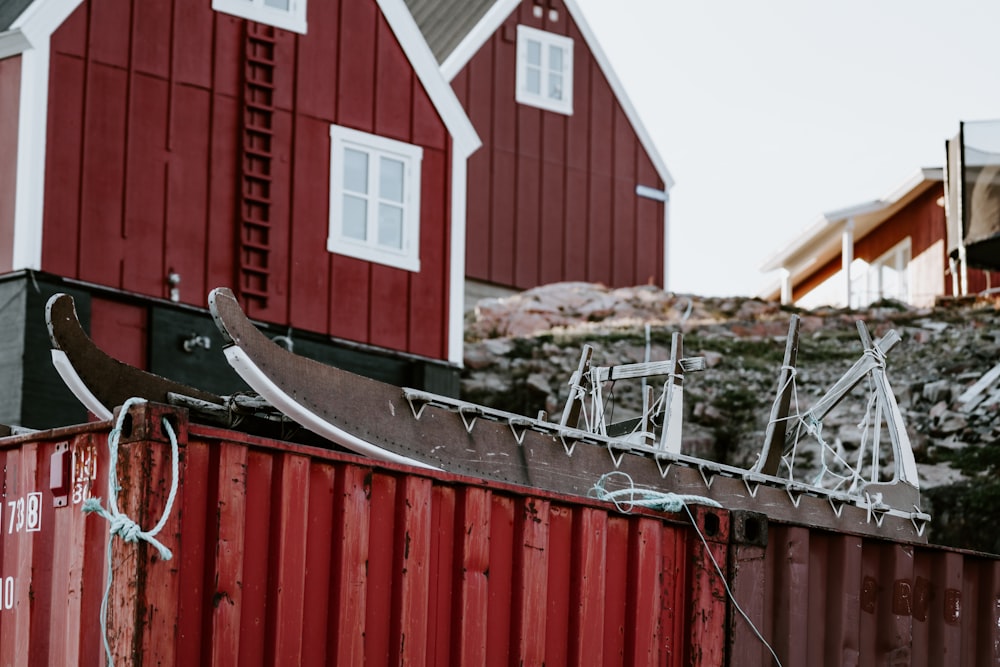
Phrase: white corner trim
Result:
[616,85]
[403,25]
[465,141]
[666,245]
[475,38]
[456,283]
[42,17]
[29,190]
[34,27]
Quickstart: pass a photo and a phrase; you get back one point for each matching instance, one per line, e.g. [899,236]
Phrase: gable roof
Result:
[10,10]
[821,241]
[455,30]
[445,23]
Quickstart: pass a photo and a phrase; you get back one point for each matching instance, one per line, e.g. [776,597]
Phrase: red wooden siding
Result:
[122,326]
[552,197]
[10,86]
[923,220]
[144,167]
[292,555]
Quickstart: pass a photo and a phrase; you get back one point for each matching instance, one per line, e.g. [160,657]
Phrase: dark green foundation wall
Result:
[33,395]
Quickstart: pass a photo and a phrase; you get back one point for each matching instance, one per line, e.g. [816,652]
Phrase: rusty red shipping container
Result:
[285,554]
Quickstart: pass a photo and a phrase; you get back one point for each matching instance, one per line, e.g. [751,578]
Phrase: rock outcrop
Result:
[520,352]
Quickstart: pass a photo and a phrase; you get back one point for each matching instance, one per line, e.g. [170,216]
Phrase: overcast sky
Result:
[770,113]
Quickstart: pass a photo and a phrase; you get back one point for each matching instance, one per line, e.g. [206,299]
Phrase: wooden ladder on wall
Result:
[254,223]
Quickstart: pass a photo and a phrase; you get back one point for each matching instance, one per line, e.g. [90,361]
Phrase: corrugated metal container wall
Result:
[825,598]
[289,555]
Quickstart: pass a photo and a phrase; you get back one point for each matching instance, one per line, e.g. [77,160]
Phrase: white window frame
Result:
[898,259]
[407,257]
[547,41]
[293,18]
[869,287]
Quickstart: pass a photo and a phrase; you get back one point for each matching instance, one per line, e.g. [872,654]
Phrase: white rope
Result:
[671,502]
[630,496]
[120,522]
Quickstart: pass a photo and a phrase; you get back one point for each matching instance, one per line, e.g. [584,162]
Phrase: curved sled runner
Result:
[102,383]
[423,429]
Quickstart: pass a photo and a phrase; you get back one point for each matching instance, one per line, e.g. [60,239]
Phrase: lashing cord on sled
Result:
[631,496]
[120,522]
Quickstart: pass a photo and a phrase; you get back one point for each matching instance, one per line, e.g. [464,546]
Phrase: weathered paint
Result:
[286,554]
[826,598]
[292,555]
[553,197]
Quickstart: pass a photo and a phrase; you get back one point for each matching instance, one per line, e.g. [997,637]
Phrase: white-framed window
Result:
[284,14]
[544,70]
[374,198]
[884,278]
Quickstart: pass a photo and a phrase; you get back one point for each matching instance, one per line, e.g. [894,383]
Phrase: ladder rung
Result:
[256,225]
[257,273]
[259,129]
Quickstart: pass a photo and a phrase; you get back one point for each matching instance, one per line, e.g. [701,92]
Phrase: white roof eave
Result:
[822,238]
[404,26]
[619,89]
[13,42]
[492,21]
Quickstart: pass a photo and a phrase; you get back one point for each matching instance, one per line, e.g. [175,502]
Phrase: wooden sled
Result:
[427,430]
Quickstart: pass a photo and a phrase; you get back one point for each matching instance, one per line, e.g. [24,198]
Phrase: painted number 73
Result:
[24,514]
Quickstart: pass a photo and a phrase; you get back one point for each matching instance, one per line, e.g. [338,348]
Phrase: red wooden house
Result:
[891,248]
[308,154]
[568,184]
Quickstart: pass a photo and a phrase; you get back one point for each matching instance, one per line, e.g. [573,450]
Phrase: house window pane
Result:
[555,59]
[391,179]
[390,226]
[533,80]
[534,53]
[555,87]
[355,171]
[277,4]
[355,218]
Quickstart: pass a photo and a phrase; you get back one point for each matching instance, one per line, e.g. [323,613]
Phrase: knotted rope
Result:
[632,496]
[120,523]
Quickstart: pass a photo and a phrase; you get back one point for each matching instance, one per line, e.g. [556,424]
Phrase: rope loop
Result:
[877,354]
[120,523]
[631,496]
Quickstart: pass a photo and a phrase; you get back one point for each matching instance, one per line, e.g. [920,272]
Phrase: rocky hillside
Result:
[521,351]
